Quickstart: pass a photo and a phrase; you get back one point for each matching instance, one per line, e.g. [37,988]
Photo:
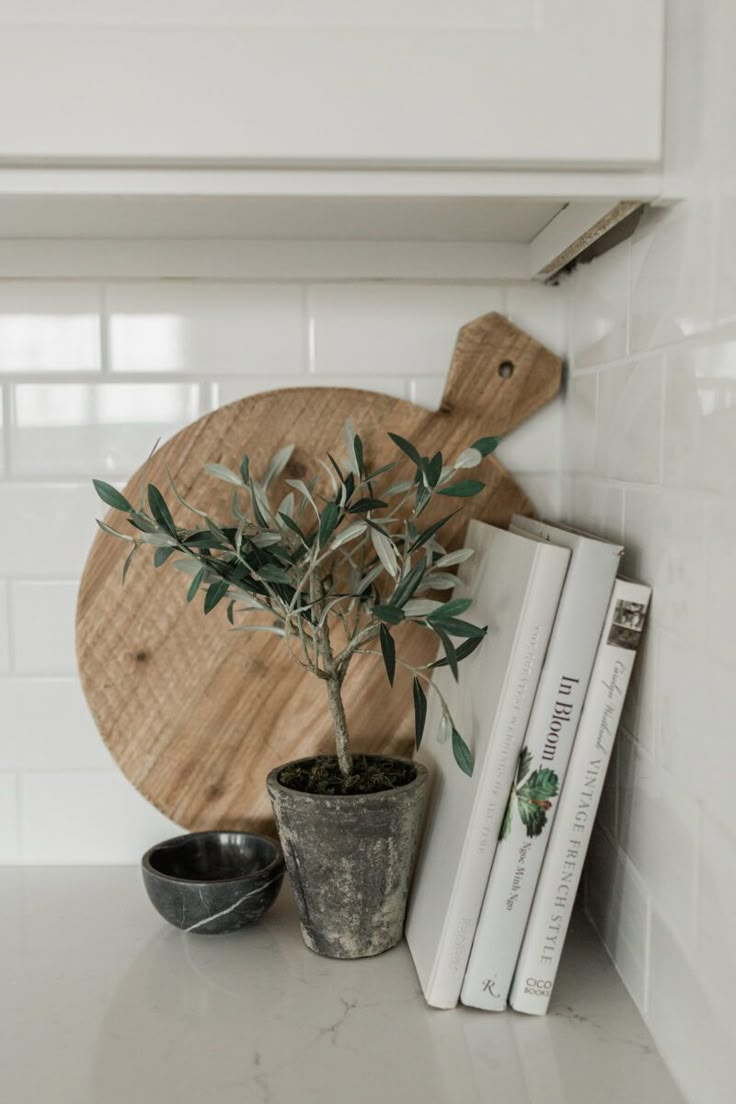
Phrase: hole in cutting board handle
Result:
[506,369]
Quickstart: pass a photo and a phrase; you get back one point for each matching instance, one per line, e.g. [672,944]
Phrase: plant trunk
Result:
[337,710]
[334,694]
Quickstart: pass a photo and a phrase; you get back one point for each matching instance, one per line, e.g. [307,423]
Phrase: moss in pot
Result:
[334,566]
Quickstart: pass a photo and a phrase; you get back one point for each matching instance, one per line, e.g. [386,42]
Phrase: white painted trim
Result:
[132,180]
[261,260]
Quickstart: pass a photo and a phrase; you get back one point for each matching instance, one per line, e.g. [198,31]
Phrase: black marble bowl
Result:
[213,882]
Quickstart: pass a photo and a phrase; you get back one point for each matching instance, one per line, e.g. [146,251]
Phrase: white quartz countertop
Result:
[104,1003]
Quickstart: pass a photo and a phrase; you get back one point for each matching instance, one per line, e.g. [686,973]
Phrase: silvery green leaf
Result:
[221,472]
[398,488]
[434,545]
[445,731]
[129,560]
[452,558]
[216,531]
[264,540]
[258,628]
[262,499]
[329,605]
[180,497]
[468,458]
[350,532]
[144,476]
[420,607]
[158,540]
[366,581]
[287,505]
[385,551]
[331,475]
[143,522]
[445,475]
[440,580]
[189,566]
[239,534]
[234,508]
[245,598]
[113,532]
[348,431]
[276,465]
[300,485]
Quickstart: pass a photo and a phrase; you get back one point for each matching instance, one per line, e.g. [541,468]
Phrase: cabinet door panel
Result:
[534,83]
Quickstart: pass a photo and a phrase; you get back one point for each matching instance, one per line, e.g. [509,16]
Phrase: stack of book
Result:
[503,850]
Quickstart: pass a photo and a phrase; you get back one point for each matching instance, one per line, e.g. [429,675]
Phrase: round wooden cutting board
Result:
[196,715]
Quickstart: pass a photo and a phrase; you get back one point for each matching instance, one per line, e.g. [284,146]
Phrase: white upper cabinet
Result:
[490,137]
[557,85]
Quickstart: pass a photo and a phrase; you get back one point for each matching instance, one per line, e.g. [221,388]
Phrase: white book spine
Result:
[532,803]
[530,644]
[570,835]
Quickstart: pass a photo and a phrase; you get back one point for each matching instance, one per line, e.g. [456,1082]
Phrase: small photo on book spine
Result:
[627,625]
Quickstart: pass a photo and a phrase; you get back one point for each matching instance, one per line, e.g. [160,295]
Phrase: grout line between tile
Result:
[7,414]
[663,380]
[19,816]
[105,365]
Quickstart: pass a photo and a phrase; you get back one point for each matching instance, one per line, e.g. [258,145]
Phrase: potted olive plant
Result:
[334,566]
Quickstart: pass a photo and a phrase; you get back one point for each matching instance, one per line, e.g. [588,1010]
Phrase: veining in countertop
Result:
[106,1004]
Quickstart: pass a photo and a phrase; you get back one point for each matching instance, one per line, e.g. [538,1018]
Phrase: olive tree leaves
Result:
[332,563]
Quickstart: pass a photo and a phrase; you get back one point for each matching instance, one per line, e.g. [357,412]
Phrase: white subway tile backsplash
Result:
[720,598]
[87,817]
[629,416]
[49,327]
[217,341]
[579,434]
[595,506]
[541,311]
[65,510]
[543,490]
[672,284]
[672,456]
[46,725]
[206,328]
[42,618]
[427,391]
[697,704]
[700,417]
[362,330]
[3,431]
[658,831]
[599,315]
[4,629]
[9,841]
[665,546]
[716,956]
[534,446]
[618,903]
[696,1043]
[102,430]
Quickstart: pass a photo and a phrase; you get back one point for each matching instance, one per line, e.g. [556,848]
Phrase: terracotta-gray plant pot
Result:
[350,860]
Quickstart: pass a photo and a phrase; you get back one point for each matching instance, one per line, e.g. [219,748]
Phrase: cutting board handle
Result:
[499,375]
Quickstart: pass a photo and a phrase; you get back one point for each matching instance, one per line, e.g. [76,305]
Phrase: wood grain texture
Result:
[196,715]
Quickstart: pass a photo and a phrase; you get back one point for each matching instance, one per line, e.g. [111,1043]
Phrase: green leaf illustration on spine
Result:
[532,794]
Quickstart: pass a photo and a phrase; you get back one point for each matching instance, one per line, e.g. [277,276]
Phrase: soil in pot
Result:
[350,848]
[371,774]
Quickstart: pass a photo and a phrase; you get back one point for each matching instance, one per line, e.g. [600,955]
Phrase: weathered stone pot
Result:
[350,860]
